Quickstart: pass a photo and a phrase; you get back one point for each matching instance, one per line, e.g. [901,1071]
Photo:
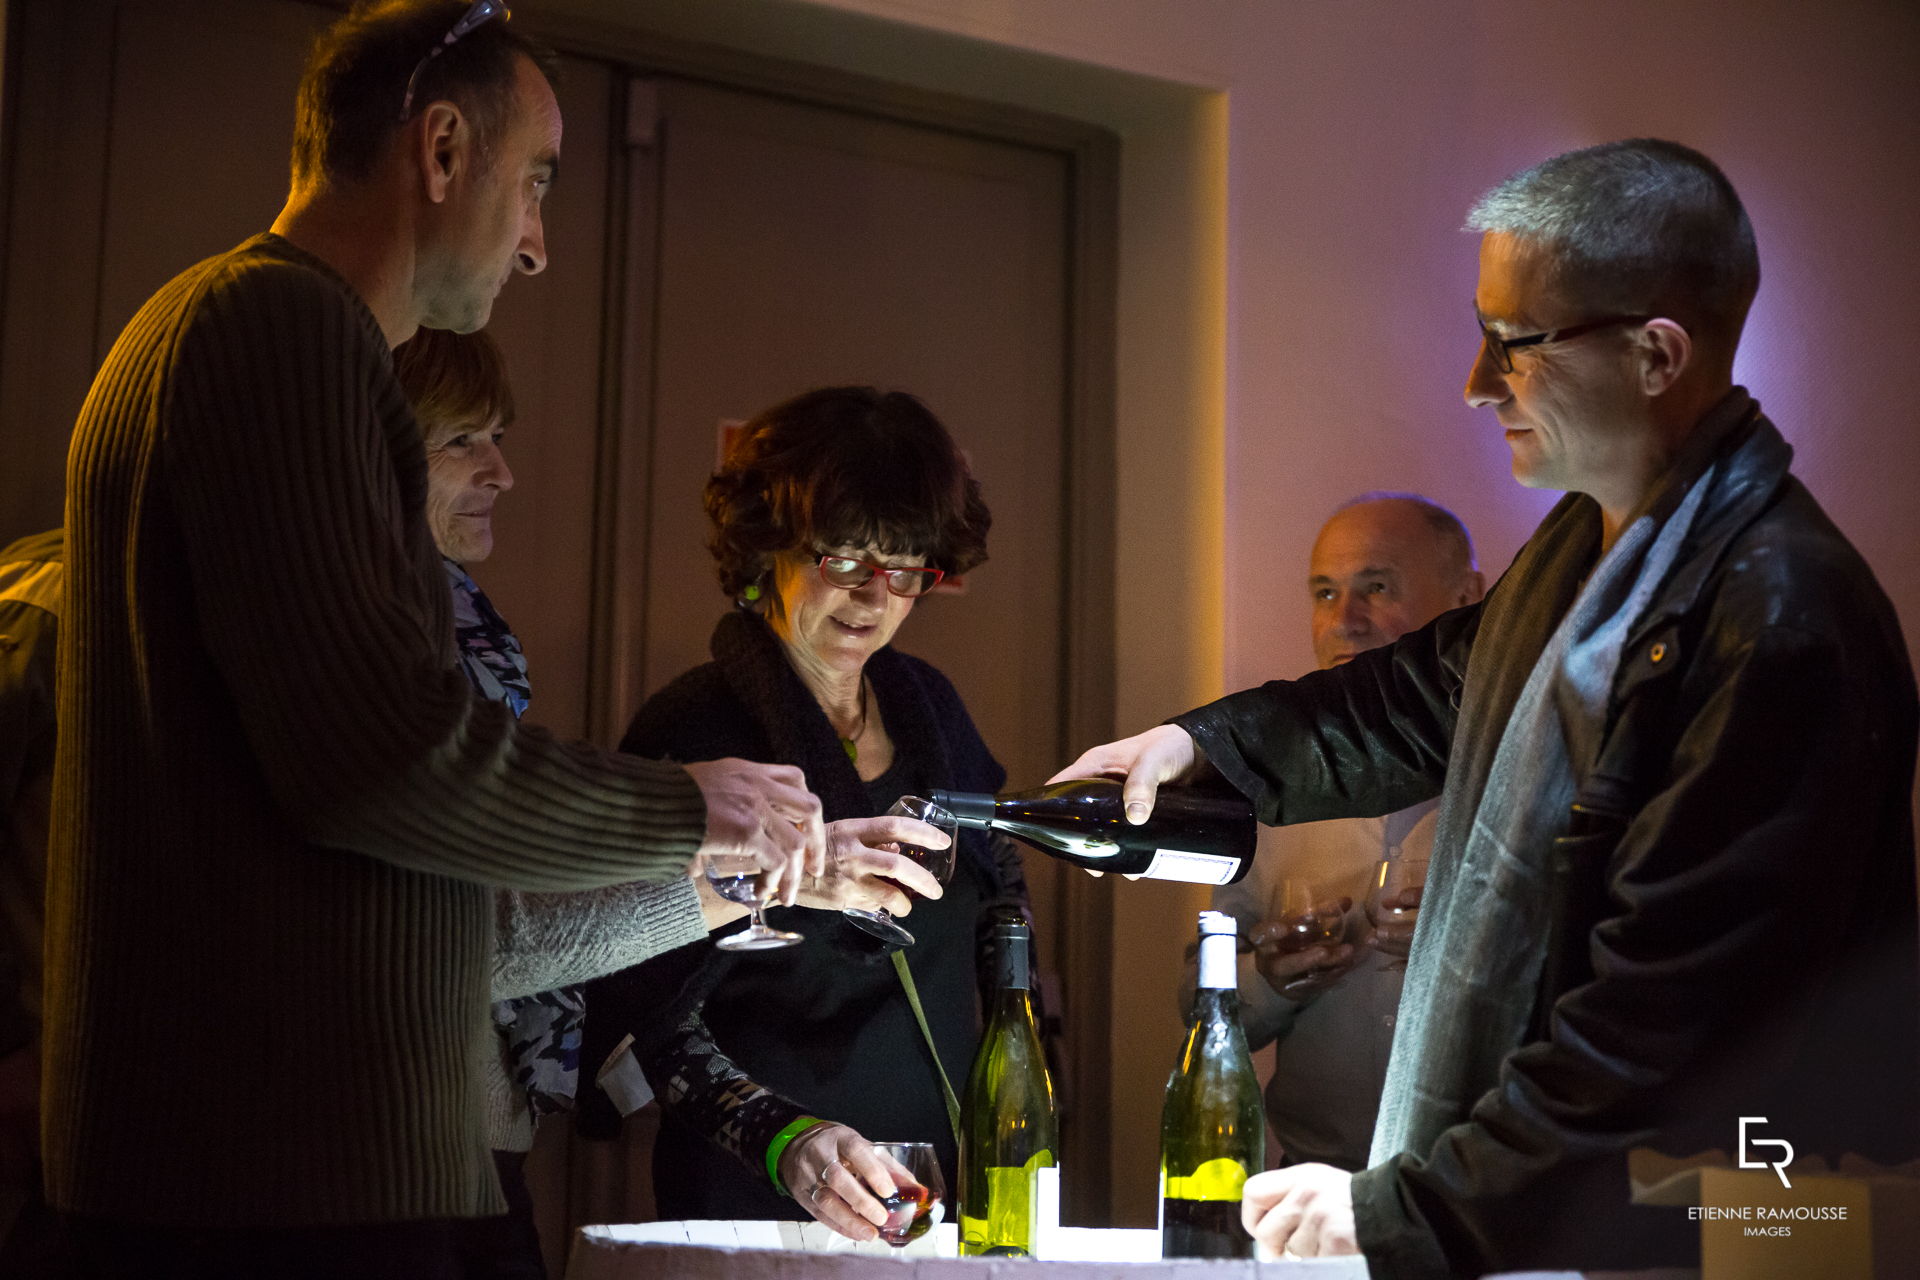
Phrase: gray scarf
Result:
[1474,971]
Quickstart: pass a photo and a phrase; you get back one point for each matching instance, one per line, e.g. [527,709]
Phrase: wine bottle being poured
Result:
[1201,837]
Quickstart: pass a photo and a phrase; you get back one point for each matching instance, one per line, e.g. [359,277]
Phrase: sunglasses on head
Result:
[479,12]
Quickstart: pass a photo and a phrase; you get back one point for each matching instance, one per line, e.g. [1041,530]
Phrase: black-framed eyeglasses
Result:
[1501,349]
[479,12]
[850,573]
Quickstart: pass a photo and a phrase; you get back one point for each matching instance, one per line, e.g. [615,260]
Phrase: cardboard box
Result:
[1861,1222]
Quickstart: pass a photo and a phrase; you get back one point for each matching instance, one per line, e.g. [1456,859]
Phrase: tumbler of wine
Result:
[938,862]
[919,1199]
[1310,916]
[1393,905]
[736,877]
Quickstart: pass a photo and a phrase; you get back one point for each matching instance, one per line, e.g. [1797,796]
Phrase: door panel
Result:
[202,121]
[541,573]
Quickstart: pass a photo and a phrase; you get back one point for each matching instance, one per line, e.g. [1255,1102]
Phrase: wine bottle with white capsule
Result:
[1201,837]
[1213,1128]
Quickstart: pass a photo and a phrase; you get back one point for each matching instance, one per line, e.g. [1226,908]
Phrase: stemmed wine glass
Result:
[938,862]
[1393,905]
[736,877]
[919,1200]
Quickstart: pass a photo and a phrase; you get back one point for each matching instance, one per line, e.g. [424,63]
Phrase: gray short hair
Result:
[1449,528]
[1635,226]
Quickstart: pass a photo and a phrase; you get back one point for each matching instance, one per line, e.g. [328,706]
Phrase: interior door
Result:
[803,246]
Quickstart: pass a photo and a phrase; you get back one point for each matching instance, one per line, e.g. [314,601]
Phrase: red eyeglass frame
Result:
[820,559]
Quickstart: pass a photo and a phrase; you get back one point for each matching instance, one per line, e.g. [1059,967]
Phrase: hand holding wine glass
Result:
[1393,905]
[735,877]
[763,812]
[1302,951]
[844,1180]
[936,857]
[919,1198]
[866,868]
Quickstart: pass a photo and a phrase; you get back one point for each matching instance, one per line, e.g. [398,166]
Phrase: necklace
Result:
[849,744]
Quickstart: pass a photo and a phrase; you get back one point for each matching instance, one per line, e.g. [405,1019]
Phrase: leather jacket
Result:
[1732,930]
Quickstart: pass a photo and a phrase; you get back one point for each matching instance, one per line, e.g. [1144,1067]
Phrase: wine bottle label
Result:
[1193,868]
[1022,1205]
[1220,1178]
[1046,1209]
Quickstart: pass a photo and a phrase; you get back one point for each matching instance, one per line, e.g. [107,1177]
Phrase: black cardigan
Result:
[861,1051]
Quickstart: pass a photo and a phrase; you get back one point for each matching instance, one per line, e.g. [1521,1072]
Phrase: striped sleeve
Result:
[287,443]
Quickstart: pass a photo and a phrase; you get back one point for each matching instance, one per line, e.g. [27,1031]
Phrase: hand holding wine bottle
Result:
[1165,753]
[1200,837]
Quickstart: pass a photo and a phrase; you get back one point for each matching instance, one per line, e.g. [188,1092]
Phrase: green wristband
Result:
[778,1147]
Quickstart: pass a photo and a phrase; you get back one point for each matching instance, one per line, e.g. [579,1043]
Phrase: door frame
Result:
[1082,951]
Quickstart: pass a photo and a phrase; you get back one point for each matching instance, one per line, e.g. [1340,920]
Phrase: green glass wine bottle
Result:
[1009,1128]
[1213,1130]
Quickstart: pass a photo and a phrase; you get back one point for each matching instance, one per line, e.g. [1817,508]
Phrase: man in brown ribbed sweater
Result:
[280,811]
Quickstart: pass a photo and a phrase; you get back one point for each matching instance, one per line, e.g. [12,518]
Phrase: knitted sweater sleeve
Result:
[548,940]
[297,482]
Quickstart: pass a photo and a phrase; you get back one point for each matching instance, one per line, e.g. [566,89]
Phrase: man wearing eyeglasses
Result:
[1672,883]
[280,811]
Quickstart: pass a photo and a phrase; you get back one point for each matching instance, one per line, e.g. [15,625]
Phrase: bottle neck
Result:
[973,809]
[1212,1006]
[1015,974]
[1217,969]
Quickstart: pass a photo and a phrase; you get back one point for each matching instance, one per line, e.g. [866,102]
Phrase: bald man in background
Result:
[1383,564]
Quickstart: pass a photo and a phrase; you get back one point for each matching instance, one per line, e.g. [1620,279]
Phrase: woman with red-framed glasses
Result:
[832,515]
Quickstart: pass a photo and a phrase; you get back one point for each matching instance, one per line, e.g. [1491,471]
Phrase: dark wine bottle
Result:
[1202,837]
[1213,1128]
[1009,1128]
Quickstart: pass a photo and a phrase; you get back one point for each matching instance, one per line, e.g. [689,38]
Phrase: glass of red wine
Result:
[938,862]
[920,1194]
[736,877]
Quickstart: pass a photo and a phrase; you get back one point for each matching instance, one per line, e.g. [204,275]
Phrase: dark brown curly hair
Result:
[844,466]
